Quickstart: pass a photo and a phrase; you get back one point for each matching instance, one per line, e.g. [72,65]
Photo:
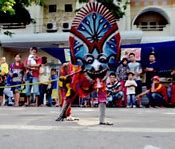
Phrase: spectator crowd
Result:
[33,78]
[38,82]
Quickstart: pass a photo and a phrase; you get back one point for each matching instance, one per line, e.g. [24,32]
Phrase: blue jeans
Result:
[118,95]
[35,86]
[131,100]
[155,99]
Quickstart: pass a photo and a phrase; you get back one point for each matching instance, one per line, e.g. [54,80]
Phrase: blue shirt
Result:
[54,84]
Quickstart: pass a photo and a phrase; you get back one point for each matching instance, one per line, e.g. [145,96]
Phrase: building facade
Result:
[145,21]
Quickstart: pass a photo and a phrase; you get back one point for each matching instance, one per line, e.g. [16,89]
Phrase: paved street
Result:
[35,128]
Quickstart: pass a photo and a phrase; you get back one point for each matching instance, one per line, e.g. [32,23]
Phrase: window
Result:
[68,8]
[153,24]
[144,25]
[52,8]
[151,21]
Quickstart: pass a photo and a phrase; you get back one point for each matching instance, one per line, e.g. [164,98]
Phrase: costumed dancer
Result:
[95,46]
[66,94]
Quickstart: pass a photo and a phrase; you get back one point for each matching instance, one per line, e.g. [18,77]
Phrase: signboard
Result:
[67,55]
[126,51]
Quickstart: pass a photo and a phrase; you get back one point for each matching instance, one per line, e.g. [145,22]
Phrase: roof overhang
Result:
[55,40]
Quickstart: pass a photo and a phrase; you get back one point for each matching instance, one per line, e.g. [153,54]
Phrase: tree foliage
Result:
[8,5]
[118,8]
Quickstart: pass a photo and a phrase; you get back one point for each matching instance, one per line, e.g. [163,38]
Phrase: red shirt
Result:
[35,72]
[161,89]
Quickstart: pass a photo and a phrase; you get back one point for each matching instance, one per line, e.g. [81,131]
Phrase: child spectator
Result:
[17,71]
[8,90]
[131,90]
[44,77]
[54,86]
[122,70]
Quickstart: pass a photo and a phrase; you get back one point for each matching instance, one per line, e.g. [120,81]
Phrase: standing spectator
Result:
[4,73]
[122,70]
[114,91]
[32,74]
[4,67]
[54,86]
[17,71]
[44,79]
[151,69]
[135,67]
[131,90]
[157,95]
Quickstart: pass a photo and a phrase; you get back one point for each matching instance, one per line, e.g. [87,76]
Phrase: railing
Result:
[151,27]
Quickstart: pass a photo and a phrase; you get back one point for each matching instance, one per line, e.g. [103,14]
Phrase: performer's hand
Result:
[62,77]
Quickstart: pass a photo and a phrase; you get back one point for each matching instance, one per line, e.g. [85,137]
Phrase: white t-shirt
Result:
[135,68]
[130,89]
[31,60]
[44,74]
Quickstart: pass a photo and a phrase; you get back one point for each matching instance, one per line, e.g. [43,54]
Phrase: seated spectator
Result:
[171,89]
[157,95]
[114,91]
[8,91]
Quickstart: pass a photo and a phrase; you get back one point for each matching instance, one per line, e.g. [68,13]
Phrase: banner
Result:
[126,51]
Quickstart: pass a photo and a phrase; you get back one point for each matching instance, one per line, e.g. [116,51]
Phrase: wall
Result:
[60,16]
[24,53]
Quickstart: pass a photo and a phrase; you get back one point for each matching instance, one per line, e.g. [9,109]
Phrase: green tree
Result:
[8,5]
[14,11]
[118,8]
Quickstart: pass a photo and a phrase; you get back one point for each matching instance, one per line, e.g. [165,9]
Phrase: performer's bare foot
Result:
[105,123]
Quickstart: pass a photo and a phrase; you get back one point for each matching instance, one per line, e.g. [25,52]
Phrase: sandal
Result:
[105,123]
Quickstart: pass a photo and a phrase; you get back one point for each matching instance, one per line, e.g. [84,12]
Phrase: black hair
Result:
[112,74]
[18,54]
[131,54]
[152,53]
[44,59]
[53,69]
[34,48]
[124,59]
